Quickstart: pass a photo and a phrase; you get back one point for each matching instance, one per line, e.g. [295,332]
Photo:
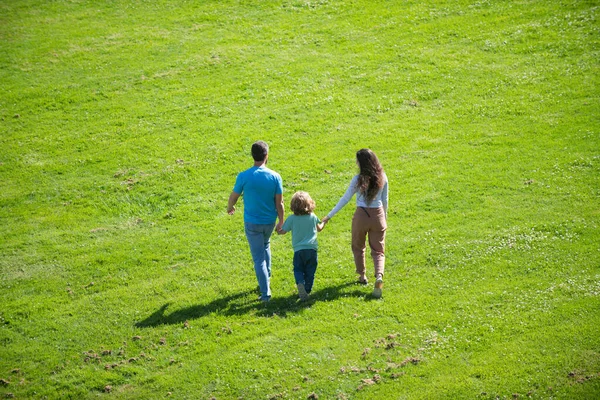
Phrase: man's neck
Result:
[260,163]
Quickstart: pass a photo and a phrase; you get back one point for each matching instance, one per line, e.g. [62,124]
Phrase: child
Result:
[304,226]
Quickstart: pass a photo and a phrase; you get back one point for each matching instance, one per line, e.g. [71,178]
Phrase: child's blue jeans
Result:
[305,266]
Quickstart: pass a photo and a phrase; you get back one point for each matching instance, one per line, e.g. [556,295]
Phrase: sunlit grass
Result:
[123,126]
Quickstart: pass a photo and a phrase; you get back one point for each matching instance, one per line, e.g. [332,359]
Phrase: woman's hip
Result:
[371,217]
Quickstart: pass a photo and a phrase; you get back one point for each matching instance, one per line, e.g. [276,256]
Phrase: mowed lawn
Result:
[123,125]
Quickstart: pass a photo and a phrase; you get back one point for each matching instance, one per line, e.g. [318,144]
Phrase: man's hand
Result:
[233,198]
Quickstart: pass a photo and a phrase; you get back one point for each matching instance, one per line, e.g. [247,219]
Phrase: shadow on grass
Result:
[246,302]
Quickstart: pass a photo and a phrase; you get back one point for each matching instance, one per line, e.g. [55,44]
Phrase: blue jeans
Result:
[305,267]
[259,239]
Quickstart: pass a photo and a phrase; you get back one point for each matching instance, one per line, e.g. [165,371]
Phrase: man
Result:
[263,204]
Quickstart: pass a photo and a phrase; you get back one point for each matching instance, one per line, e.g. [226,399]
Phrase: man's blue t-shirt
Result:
[259,185]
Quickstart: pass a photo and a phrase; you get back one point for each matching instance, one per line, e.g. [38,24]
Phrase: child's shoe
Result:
[377,291]
[302,292]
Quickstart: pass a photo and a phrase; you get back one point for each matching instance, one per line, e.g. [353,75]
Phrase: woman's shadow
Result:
[244,302]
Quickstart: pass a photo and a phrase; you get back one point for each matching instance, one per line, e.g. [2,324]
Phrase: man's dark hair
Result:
[260,150]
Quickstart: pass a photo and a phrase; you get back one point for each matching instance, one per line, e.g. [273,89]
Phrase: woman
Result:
[370,217]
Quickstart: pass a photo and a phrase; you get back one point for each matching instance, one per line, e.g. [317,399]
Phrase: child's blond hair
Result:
[302,204]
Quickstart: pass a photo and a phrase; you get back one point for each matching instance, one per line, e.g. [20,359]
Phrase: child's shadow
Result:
[244,302]
[281,306]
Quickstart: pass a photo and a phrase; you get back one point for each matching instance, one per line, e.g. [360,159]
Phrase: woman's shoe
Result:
[362,280]
[377,291]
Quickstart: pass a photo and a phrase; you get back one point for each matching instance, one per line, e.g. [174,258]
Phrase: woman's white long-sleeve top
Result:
[380,200]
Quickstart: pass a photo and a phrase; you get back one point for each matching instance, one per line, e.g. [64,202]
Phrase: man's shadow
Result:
[244,302]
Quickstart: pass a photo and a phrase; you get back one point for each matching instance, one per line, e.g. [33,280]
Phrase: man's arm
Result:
[233,198]
[280,210]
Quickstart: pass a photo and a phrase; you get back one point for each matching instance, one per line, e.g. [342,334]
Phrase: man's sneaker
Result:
[377,291]
[302,292]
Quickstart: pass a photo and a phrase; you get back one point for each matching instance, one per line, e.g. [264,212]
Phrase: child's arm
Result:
[287,225]
[321,226]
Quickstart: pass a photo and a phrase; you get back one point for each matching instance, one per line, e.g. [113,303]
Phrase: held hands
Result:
[325,219]
[231,210]
[321,226]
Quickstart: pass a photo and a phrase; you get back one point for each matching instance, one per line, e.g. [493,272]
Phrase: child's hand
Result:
[320,226]
[325,220]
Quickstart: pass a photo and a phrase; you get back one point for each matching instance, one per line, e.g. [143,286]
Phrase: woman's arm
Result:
[384,197]
[344,200]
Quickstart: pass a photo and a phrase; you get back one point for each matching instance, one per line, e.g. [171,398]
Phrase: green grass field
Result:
[123,125]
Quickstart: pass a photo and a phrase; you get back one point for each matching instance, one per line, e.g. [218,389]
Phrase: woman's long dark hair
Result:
[370,178]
